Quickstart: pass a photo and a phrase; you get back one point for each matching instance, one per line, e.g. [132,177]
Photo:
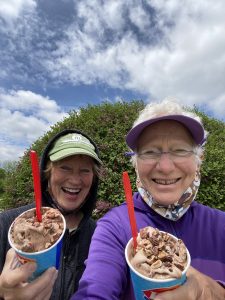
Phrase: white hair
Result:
[168,106]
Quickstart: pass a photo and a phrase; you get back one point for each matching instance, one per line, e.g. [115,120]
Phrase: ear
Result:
[199,161]
[202,156]
[136,170]
[137,173]
[198,169]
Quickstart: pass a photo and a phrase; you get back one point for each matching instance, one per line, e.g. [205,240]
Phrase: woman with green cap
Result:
[70,169]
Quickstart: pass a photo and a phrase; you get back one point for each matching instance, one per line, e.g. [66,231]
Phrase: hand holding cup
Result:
[38,242]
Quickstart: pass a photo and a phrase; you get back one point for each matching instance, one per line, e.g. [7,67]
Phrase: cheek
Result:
[53,184]
[88,181]
[142,169]
[190,169]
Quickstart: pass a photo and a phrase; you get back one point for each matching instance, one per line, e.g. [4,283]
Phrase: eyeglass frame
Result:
[174,156]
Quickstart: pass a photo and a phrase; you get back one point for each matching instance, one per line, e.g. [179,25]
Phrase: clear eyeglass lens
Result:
[175,155]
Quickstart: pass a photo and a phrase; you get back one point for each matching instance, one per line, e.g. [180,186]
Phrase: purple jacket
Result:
[107,276]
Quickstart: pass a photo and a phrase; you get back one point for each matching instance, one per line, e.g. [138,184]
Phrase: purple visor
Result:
[195,128]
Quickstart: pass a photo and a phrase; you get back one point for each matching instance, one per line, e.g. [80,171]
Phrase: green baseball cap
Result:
[73,144]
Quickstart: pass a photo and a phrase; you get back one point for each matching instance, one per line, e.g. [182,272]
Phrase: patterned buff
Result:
[173,211]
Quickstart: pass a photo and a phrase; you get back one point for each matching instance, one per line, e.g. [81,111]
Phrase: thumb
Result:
[14,274]
[10,256]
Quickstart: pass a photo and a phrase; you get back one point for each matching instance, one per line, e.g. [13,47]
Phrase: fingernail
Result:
[53,271]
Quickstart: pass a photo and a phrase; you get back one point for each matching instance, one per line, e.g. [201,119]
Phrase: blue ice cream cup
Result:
[44,259]
[146,288]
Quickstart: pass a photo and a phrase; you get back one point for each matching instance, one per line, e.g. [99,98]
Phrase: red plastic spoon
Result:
[36,181]
[130,205]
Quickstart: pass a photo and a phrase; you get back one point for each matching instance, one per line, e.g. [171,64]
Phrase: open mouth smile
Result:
[71,191]
[165,181]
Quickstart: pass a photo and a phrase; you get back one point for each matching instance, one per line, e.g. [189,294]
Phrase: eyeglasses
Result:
[178,155]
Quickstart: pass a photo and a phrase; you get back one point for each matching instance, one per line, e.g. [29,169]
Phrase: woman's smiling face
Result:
[71,180]
[166,178]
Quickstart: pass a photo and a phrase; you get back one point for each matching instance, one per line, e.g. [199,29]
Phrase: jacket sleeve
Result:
[5,222]
[106,272]
[6,219]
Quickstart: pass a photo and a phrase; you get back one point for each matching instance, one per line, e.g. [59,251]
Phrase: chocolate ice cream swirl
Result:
[159,255]
[29,235]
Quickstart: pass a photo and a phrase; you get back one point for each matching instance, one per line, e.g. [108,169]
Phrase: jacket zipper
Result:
[64,258]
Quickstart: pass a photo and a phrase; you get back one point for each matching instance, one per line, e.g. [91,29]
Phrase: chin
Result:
[68,207]
[166,201]
[71,208]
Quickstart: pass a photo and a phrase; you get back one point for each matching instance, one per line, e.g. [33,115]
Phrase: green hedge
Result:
[108,124]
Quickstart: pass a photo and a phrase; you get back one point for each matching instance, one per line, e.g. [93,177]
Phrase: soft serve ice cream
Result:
[159,263]
[159,255]
[38,242]
[29,235]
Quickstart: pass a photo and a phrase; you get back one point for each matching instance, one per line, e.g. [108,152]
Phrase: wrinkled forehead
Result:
[166,130]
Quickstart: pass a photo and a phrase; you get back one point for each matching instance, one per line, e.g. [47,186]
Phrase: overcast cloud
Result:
[24,117]
[152,47]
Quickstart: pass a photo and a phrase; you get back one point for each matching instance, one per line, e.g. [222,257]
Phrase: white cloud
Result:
[24,117]
[12,9]
[10,152]
[155,47]
[140,18]
[113,100]
[100,15]
[29,102]
[187,61]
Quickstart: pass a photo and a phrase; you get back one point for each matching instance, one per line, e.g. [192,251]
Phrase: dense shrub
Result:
[108,124]
[212,189]
[2,178]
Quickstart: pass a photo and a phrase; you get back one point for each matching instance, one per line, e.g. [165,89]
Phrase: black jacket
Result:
[75,245]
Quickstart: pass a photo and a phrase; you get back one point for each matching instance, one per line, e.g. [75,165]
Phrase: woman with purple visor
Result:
[168,144]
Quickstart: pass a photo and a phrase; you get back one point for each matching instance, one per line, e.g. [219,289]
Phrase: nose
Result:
[74,177]
[165,164]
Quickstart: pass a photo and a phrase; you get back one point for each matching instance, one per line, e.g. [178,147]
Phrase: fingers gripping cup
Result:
[158,264]
[38,242]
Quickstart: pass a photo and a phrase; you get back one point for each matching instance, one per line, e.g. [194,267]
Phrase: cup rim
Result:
[154,279]
[41,251]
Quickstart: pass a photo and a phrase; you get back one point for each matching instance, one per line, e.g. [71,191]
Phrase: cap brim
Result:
[195,128]
[73,151]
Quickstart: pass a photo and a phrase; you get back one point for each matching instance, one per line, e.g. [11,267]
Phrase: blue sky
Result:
[61,55]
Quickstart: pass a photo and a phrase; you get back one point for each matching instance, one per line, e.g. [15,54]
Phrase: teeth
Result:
[71,190]
[165,182]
